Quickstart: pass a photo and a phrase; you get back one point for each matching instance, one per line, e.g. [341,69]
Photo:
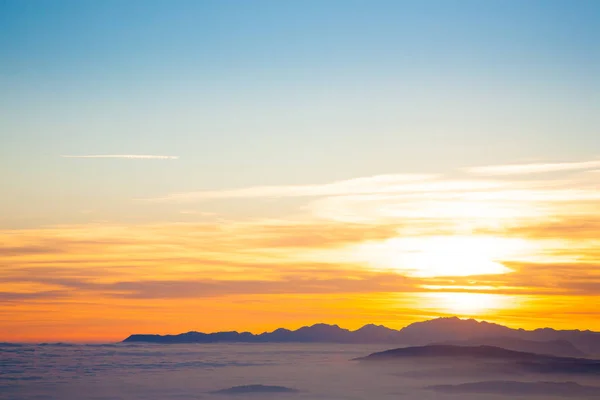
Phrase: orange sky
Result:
[518,245]
[171,167]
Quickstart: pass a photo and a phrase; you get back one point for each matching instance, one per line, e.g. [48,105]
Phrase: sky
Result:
[168,166]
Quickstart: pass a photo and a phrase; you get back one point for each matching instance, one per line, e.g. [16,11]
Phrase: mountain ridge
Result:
[496,358]
[446,350]
[445,329]
[560,347]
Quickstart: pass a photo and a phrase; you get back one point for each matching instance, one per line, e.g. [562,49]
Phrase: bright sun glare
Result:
[434,256]
[466,304]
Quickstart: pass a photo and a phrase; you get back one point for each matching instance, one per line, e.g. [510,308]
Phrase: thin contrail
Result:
[128,156]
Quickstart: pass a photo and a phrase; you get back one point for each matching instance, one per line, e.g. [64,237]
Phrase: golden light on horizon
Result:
[436,256]
[468,303]
[392,272]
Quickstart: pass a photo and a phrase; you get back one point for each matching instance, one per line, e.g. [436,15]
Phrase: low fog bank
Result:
[265,371]
[519,388]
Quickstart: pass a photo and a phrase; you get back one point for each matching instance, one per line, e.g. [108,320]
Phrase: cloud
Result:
[359,246]
[198,213]
[420,210]
[374,184]
[209,259]
[7,297]
[126,156]
[26,250]
[530,279]
[366,282]
[322,235]
[533,168]
[422,186]
[579,227]
[421,199]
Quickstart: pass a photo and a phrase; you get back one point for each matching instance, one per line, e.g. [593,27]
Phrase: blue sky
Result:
[281,93]
[280,163]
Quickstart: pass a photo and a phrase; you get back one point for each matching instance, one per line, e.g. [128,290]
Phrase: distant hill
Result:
[252,389]
[440,330]
[456,352]
[517,360]
[560,348]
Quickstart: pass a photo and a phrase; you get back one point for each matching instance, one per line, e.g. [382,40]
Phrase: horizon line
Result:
[479,321]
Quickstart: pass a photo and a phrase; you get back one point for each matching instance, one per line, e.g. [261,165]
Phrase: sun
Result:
[436,256]
[466,304]
[454,256]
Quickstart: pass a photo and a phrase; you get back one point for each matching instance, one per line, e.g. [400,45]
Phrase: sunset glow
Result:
[276,164]
[466,304]
[479,266]
[435,256]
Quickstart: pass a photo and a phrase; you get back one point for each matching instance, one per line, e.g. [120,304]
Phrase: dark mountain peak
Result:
[281,330]
[452,318]
[321,325]
[439,330]
[543,330]
[438,321]
[453,321]
[372,333]
[193,333]
[375,329]
[321,328]
[451,328]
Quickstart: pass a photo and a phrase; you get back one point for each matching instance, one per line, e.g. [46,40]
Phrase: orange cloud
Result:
[533,168]
[386,249]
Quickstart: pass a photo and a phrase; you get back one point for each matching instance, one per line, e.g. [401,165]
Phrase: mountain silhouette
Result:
[251,389]
[452,330]
[561,348]
[454,352]
[483,355]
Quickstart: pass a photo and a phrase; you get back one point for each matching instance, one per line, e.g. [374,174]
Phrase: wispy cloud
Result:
[379,184]
[126,156]
[361,282]
[574,227]
[394,198]
[532,168]
[418,187]
[6,297]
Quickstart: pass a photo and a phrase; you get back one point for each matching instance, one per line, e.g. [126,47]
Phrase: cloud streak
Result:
[374,184]
[365,282]
[125,156]
[533,168]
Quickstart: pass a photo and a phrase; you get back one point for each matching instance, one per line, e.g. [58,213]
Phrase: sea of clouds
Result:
[254,371]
